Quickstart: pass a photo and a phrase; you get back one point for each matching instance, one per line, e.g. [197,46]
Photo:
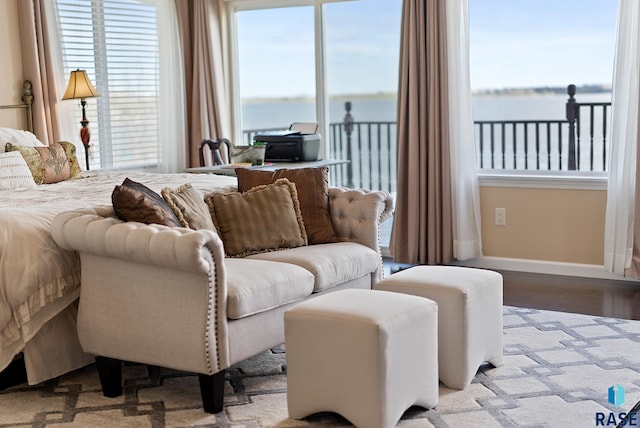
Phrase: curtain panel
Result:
[39,67]
[465,186]
[422,230]
[206,98]
[622,218]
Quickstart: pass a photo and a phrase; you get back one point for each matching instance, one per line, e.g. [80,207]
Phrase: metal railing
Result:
[577,143]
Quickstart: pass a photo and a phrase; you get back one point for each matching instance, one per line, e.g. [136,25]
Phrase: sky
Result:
[523,43]
[277,49]
[513,43]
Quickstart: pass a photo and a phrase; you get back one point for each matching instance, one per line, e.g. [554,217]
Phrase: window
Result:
[308,61]
[523,56]
[116,41]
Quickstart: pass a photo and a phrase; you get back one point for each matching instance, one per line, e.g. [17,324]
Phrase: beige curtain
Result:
[37,63]
[422,229]
[206,97]
[634,270]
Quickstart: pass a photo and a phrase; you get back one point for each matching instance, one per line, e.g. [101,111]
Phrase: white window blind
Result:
[116,41]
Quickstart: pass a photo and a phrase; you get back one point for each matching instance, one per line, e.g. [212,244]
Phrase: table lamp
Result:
[80,87]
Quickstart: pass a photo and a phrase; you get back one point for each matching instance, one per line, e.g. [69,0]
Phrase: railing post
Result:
[573,113]
[348,129]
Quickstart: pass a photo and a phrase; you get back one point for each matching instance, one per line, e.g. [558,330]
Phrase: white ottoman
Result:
[469,315]
[366,355]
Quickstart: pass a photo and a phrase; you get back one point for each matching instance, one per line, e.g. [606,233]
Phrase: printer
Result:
[299,143]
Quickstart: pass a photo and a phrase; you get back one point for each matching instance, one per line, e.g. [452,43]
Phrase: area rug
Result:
[558,370]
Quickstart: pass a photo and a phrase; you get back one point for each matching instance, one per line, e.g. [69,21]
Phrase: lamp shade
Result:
[79,86]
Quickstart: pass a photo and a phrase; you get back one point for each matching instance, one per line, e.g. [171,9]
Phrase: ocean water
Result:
[257,115]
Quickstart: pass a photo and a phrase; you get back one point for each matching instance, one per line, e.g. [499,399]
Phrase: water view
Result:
[281,113]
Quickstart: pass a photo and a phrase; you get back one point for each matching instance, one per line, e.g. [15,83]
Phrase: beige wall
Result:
[544,224]
[11,75]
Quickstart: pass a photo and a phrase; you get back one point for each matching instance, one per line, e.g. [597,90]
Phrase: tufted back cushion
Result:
[358,222]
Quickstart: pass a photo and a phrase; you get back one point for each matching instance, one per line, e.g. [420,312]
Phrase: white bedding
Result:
[39,280]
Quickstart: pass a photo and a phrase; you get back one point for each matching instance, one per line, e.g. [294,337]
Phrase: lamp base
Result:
[85,137]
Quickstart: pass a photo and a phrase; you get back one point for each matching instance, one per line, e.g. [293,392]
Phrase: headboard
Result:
[27,98]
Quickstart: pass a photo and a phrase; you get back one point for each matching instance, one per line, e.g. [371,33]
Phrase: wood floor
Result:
[609,298]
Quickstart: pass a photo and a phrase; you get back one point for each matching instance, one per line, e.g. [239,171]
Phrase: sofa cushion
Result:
[331,264]
[255,286]
[313,193]
[266,218]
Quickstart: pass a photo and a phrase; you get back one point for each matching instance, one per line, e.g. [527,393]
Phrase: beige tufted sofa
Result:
[168,297]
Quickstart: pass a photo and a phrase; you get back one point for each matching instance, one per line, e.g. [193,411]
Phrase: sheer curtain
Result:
[172,132]
[465,188]
[621,214]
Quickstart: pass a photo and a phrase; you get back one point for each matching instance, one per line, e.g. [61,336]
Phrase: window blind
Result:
[116,41]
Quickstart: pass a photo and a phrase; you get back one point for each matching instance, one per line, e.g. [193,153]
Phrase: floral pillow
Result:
[50,164]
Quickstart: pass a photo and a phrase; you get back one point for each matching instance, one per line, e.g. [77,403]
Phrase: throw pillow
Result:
[50,164]
[19,137]
[14,172]
[189,206]
[265,218]
[312,185]
[133,201]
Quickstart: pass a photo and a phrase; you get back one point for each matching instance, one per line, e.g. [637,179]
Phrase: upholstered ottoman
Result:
[469,315]
[366,355]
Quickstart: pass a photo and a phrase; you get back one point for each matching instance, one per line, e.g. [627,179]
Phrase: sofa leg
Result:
[110,373]
[154,374]
[212,391]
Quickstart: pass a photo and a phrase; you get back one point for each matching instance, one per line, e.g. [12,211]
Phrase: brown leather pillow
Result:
[312,185]
[133,201]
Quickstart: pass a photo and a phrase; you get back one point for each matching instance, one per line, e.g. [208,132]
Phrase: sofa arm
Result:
[356,215]
[164,286]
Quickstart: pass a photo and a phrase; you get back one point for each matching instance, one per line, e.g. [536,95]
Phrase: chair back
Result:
[216,155]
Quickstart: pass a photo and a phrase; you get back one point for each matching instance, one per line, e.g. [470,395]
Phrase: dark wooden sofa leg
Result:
[212,391]
[110,373]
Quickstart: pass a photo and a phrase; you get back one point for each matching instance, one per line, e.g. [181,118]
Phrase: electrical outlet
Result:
[501,217]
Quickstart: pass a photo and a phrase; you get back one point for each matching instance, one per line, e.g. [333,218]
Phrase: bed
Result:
[39,282]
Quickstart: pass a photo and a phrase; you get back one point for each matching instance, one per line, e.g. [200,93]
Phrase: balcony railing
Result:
[577,143]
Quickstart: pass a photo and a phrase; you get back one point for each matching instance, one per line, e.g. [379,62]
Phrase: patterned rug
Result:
[558,370]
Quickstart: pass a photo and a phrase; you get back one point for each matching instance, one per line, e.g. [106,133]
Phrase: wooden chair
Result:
[217,157]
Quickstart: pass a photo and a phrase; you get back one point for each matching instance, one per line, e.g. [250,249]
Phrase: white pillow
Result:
[14,172]
[18,137]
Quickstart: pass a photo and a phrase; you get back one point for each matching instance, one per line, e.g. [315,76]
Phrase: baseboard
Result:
[545,267]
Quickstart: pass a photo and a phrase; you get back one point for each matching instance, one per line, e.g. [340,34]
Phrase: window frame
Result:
[321,93]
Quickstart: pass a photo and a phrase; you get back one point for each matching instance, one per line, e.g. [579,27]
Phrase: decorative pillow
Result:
[133,201]
[14,172]
[19,138]
[265,218]
[189,206]
[312,185]
[50,164]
